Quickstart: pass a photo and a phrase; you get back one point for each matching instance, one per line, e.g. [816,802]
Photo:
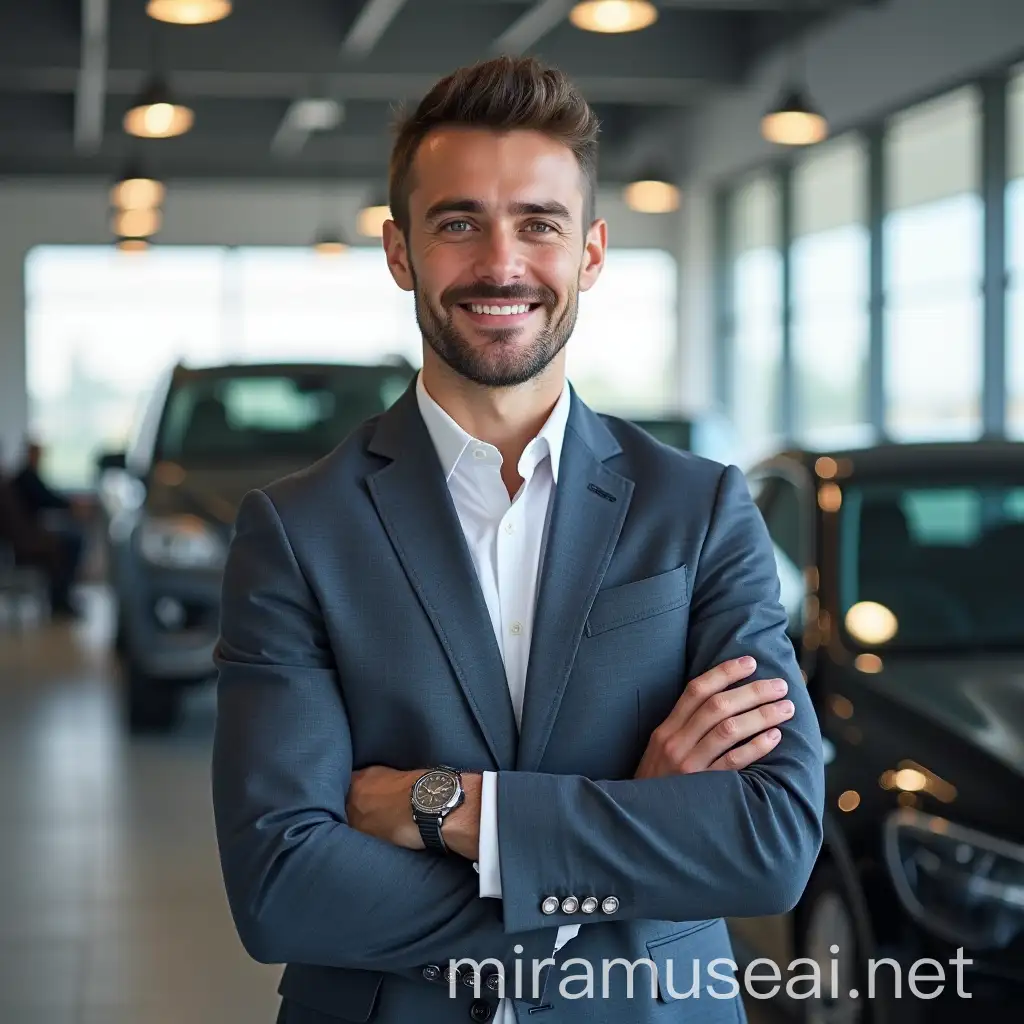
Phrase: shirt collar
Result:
[451,440]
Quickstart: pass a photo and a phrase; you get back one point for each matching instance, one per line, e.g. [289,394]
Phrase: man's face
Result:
[497,251]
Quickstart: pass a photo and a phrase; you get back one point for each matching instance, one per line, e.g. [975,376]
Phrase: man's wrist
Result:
[461,828]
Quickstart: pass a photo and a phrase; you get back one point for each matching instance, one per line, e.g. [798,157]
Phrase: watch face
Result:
[435,791]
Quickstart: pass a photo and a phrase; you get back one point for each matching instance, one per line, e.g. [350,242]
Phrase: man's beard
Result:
[502,362]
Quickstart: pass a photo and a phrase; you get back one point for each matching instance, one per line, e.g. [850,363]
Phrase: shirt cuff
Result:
[489,864]
[565,933]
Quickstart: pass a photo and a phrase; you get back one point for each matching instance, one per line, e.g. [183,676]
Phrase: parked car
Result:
[902,572]
[207,437]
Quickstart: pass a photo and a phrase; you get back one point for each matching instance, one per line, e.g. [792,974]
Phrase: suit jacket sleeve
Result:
[303,886]
[688,847]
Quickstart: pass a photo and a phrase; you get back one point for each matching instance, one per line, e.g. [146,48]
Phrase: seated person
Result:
[57,552]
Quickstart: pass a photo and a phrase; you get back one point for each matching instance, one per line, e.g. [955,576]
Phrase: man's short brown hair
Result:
[502,94]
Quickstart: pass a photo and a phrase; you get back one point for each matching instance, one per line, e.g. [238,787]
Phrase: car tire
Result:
[826,919]
[149,705]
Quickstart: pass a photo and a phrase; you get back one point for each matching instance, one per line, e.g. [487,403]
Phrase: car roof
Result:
[272,369]
[917,458]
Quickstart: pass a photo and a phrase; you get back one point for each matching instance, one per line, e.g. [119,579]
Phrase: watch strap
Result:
[430,831]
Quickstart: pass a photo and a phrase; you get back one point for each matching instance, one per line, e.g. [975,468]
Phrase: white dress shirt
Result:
[506,539]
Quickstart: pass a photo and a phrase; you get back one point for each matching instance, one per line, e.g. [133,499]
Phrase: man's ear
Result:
[397,252]
[595,246]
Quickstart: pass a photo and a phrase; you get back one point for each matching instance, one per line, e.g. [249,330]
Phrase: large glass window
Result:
[933,270]
[1015,258]
[755,302]
[102,325]
[830,292]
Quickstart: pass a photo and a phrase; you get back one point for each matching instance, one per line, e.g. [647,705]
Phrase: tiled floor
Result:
[111,904]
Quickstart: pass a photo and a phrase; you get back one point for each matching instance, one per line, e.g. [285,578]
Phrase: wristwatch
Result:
[435,794]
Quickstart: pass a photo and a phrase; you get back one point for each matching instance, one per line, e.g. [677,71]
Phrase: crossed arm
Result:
[306,885]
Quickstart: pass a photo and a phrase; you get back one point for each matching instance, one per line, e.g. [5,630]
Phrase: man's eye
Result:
[455,224]
[544,228]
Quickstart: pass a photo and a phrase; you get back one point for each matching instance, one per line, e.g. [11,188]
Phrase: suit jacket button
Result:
[469,979]
[493,982]
[610,904]
[432,972]
[550,905]
[589,905]
[570,905]
[480,1010]
[449,974]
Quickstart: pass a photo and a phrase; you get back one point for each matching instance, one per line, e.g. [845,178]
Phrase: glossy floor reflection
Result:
[111,904]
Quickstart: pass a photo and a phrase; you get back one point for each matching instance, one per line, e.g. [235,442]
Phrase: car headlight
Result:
[180,542]
[963,885]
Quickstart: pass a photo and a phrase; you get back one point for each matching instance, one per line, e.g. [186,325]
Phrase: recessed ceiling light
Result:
[188,12]
[613,15]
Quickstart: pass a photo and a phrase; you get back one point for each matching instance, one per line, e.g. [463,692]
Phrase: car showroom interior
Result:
[814,273]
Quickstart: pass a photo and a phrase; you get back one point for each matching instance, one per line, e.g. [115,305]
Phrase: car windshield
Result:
[933,566]
[296,413]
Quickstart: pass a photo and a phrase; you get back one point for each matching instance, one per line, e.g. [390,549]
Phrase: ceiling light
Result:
[188,12]
[132,244]
[136,223]
[652,195]
[371,220]
[136,191]
[794,121]
[329,243]
[155,115]
[613,15]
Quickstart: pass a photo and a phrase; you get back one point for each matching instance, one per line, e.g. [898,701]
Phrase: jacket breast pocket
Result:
[642,599]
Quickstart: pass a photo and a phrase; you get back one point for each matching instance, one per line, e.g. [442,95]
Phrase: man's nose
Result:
[499,257]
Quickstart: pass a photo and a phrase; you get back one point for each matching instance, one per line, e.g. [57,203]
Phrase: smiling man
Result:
[458,760]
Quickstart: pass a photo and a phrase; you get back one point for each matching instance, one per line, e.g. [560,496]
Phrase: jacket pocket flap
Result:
[641,599]
[682,962]
[334,991]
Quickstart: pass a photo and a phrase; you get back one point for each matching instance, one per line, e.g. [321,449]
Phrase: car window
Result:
[936,566]
[780,503]
[258,416]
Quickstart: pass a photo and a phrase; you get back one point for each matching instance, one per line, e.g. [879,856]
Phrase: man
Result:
[453,714]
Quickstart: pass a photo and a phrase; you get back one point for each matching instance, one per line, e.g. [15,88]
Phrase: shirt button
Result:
[516,628]
[510,527]
[479,453]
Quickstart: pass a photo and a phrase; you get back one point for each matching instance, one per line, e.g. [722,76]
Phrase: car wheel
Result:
[826,920]
[149,705]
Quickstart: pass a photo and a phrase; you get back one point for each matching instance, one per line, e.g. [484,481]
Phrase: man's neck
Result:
[508,418]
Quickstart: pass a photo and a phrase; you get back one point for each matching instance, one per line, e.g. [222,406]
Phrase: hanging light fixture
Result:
[156,115]
[794,120]
[652,193]
[370,221]
[613,15]
[136,223]
[131,244]
[329,242]
[188,12]
[136,190]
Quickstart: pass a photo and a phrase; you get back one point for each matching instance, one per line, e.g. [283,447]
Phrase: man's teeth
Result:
[499,310]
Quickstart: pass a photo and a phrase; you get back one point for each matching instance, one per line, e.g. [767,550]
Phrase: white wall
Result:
[861,66]
[61,212]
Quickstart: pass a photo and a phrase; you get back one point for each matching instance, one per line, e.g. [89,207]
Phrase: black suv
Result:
[902,571]
[207,437]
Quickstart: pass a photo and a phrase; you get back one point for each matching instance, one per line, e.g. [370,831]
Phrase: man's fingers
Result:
[741,727]
[729,703]
[698,690]
[744,756]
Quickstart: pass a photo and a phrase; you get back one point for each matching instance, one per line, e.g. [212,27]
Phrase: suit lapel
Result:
[590,506]
[416,509]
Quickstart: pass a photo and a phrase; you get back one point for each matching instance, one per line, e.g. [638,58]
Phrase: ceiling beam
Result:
[529,28]
[371,23]
[384,86]
[90,87]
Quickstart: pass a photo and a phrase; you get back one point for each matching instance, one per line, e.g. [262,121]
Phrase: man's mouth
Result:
[498,314]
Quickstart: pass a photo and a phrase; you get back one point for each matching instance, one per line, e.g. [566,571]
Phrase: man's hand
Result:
[702,731]
[379,804]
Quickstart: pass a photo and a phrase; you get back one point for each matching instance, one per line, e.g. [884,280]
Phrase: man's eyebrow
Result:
[550,208]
